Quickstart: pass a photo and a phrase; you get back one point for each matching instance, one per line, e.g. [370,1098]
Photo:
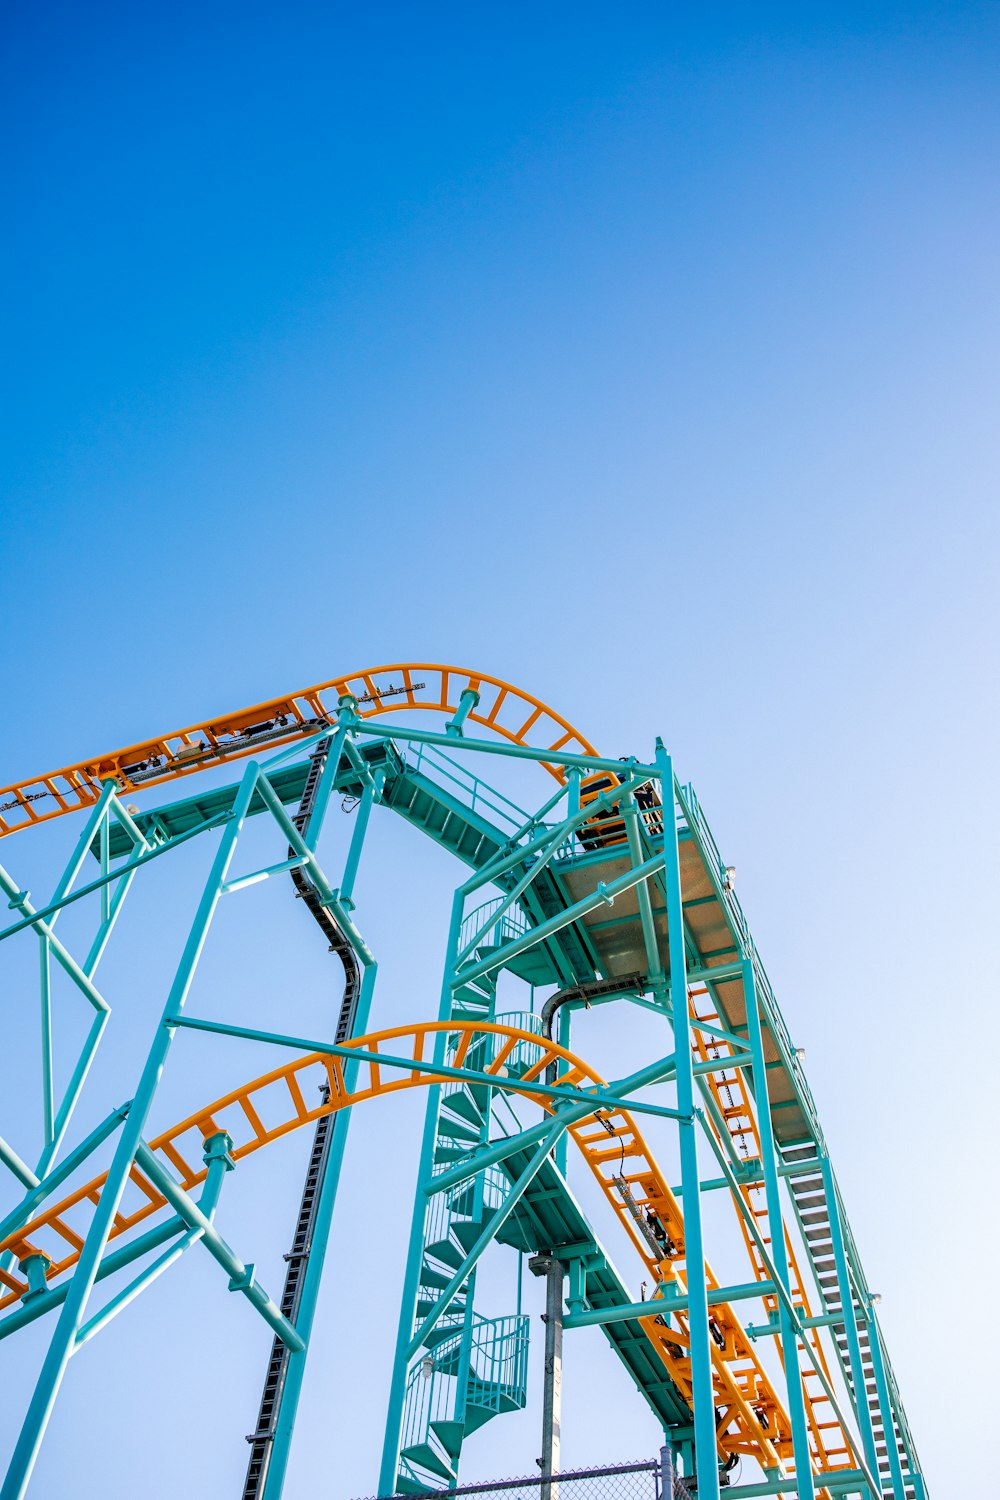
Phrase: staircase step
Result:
[449,1434]
[432,1278]
[455,1130]
[446,1251]
[463,1202]
[424,1455]
[449,1154]
[462,1103]
[476,1416]
[427,1304]
[467,1232]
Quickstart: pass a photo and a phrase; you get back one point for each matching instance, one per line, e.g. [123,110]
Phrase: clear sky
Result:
[644,355]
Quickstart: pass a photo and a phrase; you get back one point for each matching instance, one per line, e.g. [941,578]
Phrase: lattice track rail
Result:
[752,1419]
[515,715]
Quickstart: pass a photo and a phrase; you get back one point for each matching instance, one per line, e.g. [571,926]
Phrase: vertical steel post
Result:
[368,796]
[846,1292]
[281,1446]
[805,1488]
[885,1403]
[553,1271]
[415,1250]
[64,1336]
[324,791]
[702,1391]
[45,991]
[467,702]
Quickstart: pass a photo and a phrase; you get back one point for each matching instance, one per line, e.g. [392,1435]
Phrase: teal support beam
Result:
[20,1169]
[489,1233]
[541,841]
[219,1163]
[48,1089]
[706,1452]
[128,1294]
[414,1255]
[746,1291]
[112,1263]
[838,1482]
[241,1275]
[512,752]
[529,828]
[97,819]
[327,781]
[885,1402]
[64,1335]
[40,1189]
[603,894]
[107,876]
[601,1097]
[654,968]
[789,1338]
[277,1465]
[22,902]
[368,797]
[545,849]
[466,703]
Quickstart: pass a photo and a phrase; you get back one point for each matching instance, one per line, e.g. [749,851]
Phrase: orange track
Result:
[509,711]
[751,1417]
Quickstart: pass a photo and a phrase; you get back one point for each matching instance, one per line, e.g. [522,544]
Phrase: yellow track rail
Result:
[830,1445]
[502,708]
[751,1417]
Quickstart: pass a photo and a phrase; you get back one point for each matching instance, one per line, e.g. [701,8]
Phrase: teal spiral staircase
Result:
[471,1368]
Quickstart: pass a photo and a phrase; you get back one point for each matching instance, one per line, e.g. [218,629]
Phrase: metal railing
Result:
[513,924]
[497,1371]
[697,823]
[433,763]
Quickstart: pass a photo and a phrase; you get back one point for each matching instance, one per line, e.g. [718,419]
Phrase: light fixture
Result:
[730,881]
[800,1053]
[132,810]
[427,1366]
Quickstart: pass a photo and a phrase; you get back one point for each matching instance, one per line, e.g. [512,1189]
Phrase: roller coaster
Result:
[612,892]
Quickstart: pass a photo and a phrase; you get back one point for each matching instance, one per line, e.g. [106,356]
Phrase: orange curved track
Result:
[751,1417]
[506,710]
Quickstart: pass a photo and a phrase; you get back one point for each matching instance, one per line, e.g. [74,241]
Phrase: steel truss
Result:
[613,893]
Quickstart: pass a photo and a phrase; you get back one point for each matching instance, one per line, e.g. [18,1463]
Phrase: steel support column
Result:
[706,1450]
[789,1338]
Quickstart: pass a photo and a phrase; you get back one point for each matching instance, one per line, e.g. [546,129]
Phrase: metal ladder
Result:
[809,1196]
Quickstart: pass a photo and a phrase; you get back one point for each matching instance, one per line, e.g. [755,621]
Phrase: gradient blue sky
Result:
[645,356]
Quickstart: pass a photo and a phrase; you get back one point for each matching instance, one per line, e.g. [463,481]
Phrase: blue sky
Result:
[644,356]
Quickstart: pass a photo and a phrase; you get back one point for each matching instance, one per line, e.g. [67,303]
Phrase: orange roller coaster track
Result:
[490,702]
[752,1419]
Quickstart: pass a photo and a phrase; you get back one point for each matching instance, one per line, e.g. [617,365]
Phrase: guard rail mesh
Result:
[634,1481]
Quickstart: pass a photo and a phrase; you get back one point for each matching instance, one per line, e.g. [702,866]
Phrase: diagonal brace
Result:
[241,1277]
[489,1233]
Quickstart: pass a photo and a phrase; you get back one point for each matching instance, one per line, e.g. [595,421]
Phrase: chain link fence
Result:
[647,1480]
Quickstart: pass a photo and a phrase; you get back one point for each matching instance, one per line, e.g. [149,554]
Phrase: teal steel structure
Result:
[612,893]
